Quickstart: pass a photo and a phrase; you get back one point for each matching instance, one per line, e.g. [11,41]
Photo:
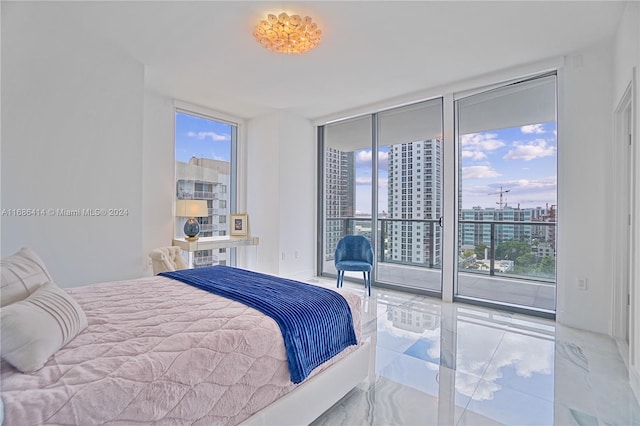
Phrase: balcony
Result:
[200,261]
[205,195]
[207,227]
[502,261]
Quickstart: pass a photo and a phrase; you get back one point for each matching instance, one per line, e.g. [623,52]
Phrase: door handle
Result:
[441,221]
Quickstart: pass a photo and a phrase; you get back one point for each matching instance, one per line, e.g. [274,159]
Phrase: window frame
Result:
[237,196]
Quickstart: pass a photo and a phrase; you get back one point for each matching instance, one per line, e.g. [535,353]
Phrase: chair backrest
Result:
[166,259]
[354,247]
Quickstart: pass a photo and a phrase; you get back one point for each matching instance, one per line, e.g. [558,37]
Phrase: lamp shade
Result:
[191,208]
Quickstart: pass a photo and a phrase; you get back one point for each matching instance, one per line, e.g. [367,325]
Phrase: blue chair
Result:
[354,253]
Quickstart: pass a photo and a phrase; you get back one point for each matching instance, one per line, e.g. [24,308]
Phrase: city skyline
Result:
[520,159]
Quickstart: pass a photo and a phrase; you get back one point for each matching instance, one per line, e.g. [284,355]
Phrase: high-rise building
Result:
[340,190]
[414,196]
[206,179]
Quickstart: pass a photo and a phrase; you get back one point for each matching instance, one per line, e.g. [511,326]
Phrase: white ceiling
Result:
[203,52]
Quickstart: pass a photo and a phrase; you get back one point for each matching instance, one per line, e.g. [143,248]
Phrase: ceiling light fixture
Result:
[288,34]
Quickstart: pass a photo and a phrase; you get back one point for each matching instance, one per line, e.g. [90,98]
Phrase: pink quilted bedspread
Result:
[158,351]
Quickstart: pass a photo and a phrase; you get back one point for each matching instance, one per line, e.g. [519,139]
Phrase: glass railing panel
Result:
[410,253]
[511,262]
[523,250]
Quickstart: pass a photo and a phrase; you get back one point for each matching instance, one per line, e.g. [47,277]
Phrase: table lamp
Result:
[191,209]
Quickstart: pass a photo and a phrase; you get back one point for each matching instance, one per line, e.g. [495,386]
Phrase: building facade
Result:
[411,231]
[339,197]
[541,237]
[206,179]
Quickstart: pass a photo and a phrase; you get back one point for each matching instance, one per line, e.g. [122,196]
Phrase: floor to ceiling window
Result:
[507,145]
[505,209]
[347,183]
[410,195]
[399,189]
[205,170]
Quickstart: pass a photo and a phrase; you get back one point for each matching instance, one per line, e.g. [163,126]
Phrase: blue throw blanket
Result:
[315,322]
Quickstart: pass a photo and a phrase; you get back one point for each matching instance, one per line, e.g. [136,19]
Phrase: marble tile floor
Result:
[437,363]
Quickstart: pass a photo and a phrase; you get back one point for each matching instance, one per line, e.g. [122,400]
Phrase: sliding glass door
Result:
[393,197]
[410,196]
[347,186]
[507,144]
[383,177]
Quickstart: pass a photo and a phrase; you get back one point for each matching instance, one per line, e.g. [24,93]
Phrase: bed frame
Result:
[312,398]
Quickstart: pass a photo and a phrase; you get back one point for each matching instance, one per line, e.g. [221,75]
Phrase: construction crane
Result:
[502,203]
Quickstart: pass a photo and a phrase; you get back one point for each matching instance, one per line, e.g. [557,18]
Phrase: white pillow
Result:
[34,329]
[22,274]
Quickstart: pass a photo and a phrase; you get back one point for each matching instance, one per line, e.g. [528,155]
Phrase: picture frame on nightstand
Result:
[238,225]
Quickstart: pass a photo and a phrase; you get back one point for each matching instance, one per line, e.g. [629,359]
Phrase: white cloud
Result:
[481,141]
[524,192]
[213,135]
[533,128]
[479,172]
[530,150]
[363,158]
[477,145]
[363,180]
[474,155]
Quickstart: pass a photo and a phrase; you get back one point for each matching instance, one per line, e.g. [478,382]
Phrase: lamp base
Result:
[191,229]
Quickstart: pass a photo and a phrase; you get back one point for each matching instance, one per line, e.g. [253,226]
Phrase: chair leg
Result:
[367,281]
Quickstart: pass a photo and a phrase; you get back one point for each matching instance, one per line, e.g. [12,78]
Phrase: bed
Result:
[156,350]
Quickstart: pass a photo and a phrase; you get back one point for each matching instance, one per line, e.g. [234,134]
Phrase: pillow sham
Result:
[34,329]
[21,274]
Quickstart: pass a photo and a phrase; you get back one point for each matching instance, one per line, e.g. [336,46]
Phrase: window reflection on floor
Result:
[452,363]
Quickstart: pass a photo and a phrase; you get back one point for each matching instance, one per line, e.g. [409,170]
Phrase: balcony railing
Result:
[205,195]
[205,260]
[522,249]
[207,227]
[518,249]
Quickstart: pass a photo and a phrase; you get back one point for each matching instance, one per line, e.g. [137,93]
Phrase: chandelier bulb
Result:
[287,33]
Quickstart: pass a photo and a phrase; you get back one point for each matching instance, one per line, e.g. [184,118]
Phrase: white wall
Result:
[281,193]
[72,131]
[584,139]
[626,66]
[263,192]
[298,200]
[158,178]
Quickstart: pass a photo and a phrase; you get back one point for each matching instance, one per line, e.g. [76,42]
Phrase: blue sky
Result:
[202,138]
[520,159]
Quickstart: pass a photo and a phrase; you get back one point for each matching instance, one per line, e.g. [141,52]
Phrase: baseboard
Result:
[300,275]
[634,381]
[623,348]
